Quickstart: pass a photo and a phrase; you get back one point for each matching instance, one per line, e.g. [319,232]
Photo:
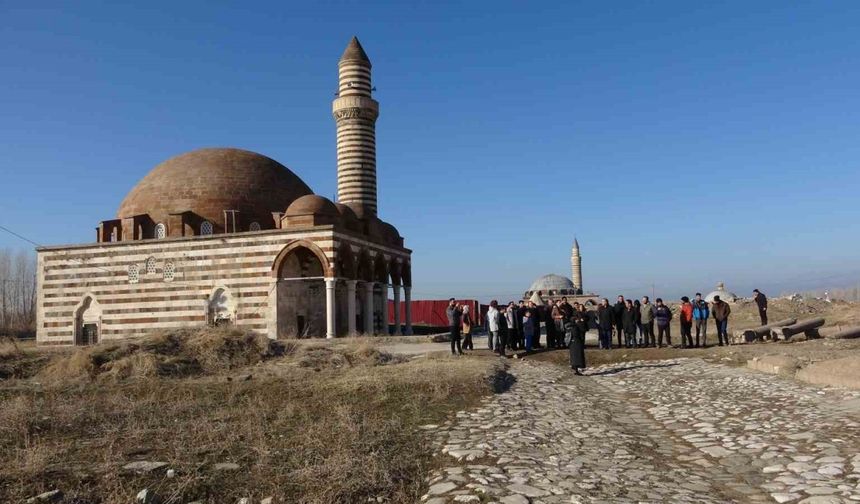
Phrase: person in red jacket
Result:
[686,323]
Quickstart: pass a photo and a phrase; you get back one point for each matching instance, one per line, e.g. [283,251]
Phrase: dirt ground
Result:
[231,417]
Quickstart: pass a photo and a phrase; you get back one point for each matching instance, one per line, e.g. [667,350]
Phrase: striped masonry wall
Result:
[241,263]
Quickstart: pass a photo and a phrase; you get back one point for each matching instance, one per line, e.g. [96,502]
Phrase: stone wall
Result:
[174,282]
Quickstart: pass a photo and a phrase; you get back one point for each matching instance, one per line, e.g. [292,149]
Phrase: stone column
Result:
[330,308]
[384,308]
[350,307]
[368,308]
[407,298]
[396,289]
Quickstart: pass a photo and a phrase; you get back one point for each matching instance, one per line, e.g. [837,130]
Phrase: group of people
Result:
[517,326]
[633,322]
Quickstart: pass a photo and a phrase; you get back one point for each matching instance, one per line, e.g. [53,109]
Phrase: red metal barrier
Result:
[432,312]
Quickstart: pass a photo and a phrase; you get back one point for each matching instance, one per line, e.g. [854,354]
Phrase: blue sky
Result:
[683,143]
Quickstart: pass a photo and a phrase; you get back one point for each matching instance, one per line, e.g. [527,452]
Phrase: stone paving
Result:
[670,431]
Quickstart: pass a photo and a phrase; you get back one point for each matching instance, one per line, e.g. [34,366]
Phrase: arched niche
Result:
[88,321]
[220,307]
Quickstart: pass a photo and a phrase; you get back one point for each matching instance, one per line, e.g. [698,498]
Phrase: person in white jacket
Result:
[493,326]
[511,318]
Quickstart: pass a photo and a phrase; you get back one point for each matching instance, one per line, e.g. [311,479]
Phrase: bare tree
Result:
[17,293]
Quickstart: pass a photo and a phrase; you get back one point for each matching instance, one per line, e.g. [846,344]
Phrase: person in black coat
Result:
[628,322]
[521,335]
[503,334]
[605,320]
[577,339]
[618,310]
[761,302]
[537,317]
[550,324]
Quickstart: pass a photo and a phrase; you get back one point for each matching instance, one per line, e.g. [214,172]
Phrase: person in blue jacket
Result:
[700,315]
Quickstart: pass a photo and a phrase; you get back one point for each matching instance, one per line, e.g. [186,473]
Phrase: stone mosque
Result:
[228,236]
[554,287]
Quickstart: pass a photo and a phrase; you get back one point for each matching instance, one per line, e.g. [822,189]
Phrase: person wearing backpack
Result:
[700,315]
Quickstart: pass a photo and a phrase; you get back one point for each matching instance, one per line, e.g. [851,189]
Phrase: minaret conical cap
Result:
[575,244]
[354,52]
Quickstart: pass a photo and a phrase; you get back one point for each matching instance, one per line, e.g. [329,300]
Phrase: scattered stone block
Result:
[774,364]
[144,466]
[52,496]
[844,372]
[147,496]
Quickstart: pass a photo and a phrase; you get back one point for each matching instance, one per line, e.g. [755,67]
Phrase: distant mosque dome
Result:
[722,292]
[552,282]
[551,286]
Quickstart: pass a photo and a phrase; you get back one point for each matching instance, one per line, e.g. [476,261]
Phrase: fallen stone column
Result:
[804,326]
[850,333]
[765,330]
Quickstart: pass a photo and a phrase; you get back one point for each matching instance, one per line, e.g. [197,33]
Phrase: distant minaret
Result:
[576,267]
[355,113]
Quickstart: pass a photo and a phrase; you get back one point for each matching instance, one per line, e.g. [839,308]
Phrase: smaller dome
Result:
[391,234]
[722,292]
[551,282]
[312,204]
[348,217]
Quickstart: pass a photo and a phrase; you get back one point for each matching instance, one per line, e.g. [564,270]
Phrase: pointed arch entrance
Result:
[88,321]
[301,269]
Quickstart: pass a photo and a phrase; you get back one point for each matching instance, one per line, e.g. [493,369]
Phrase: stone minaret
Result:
[356,112]
[576,267]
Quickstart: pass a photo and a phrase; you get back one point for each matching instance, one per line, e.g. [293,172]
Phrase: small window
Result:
[160,231]
[169,271]
[133,274]
[150,266]
[255,226]
[206,228]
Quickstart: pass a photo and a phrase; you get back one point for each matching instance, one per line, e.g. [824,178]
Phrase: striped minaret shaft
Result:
[576,267]
[355,113]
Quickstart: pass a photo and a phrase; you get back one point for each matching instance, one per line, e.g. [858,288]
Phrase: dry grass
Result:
[321,423]
[168,354]
[18,360]
[9,349]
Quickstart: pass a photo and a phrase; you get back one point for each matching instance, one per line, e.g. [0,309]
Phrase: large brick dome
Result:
[209,181]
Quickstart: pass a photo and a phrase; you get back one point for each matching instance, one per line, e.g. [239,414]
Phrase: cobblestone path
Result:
[668,431]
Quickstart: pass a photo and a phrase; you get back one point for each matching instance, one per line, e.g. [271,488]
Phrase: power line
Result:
[13,233]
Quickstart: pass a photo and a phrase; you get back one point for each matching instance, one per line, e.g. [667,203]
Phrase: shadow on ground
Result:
[616,370]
